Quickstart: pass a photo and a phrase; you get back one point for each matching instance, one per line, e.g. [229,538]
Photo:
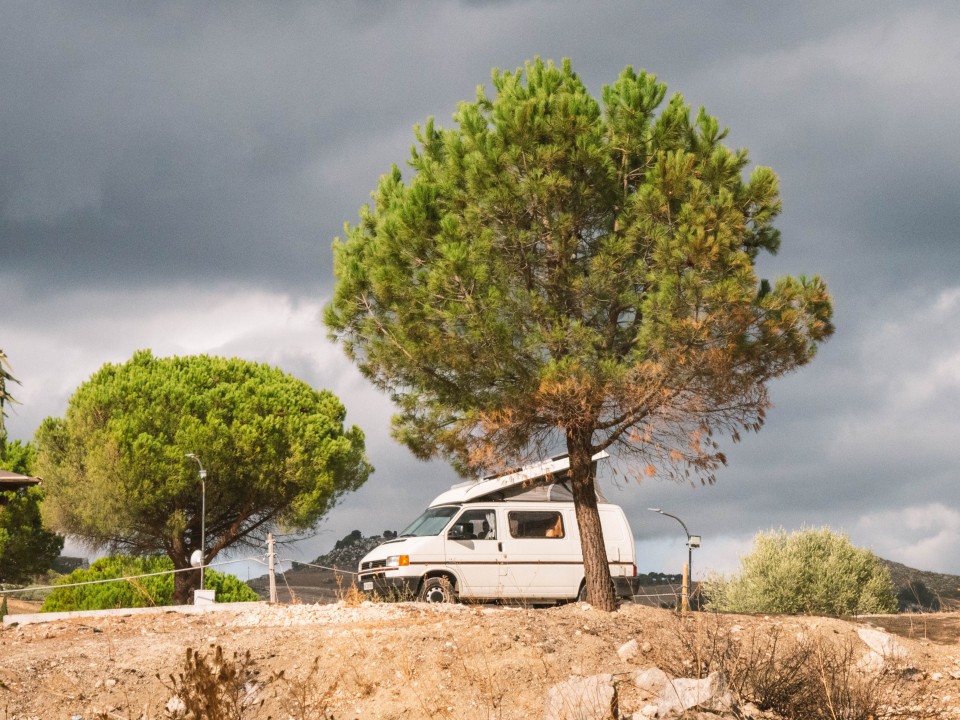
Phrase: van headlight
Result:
[398,561]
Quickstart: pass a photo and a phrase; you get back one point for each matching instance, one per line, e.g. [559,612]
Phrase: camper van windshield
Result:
[432,522]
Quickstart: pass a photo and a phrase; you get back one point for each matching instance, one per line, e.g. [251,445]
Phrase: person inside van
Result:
[475,525]
[557,530]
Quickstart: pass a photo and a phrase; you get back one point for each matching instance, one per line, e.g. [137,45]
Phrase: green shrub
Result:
[229,587]
[137,592]
[812,571]
[917,596]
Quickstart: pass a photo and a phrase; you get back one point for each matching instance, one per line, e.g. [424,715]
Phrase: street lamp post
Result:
[692,542]
[203,514]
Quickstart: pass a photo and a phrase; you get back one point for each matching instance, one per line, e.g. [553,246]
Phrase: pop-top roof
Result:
[531,482]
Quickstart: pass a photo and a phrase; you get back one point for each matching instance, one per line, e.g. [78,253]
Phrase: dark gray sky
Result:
[172,176]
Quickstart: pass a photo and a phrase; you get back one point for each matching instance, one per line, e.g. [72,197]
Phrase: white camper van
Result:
[513,536]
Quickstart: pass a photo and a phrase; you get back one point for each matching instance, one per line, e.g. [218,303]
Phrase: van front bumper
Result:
[402,588]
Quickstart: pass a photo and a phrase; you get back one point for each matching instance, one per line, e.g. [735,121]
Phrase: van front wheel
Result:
[437,590]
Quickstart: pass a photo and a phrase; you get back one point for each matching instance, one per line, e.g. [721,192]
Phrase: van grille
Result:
[371,564]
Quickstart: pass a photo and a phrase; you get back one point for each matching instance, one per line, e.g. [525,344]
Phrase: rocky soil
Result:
[363,660]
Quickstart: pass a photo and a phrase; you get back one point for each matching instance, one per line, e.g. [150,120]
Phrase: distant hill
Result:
[347,552]
[324,579]
[919,590]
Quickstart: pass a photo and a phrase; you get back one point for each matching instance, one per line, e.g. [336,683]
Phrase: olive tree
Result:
[566,272]
[116,474]
[812,571]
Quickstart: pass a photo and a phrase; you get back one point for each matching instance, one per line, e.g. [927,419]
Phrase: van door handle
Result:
[499,547]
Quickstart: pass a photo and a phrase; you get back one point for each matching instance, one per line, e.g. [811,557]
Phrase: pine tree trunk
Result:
[184,583]
[596,570]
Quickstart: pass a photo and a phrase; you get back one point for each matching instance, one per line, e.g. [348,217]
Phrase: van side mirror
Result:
[458,532]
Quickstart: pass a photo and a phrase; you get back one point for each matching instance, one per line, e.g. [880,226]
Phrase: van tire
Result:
[437,590]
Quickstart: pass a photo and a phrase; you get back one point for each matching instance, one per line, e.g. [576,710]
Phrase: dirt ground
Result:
[407,660]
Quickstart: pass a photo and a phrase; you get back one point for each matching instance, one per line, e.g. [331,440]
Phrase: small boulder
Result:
[651,680]
[883,644]
[883,648]
[686,693]
[175,707]
[582,698]
[629,650]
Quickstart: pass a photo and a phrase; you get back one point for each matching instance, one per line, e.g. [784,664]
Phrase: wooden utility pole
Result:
[271,560]
[685,591]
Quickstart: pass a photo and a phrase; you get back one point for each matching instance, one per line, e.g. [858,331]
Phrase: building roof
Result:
[14,481]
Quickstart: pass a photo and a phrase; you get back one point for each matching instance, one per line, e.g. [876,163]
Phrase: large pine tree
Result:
[560,271]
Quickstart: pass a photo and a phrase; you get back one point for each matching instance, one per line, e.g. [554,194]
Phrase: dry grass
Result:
[810,675]
[215,687]
[306,696]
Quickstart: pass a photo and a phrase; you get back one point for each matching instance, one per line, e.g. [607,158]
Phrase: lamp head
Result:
[192,456]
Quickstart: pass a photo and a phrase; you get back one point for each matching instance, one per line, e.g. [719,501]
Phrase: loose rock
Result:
[582,698]
[629,650]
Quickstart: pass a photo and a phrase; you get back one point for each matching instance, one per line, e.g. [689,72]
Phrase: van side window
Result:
[536,524]
[475,525]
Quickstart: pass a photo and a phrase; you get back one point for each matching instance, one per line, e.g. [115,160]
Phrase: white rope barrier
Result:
[321,567]
[128,577]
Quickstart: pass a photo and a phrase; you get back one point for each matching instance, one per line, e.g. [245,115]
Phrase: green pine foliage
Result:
[27,548]
[917,596]
[810,572]
[138,592]
[116,475]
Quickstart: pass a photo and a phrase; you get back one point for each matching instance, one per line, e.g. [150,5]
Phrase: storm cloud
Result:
[172,176]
